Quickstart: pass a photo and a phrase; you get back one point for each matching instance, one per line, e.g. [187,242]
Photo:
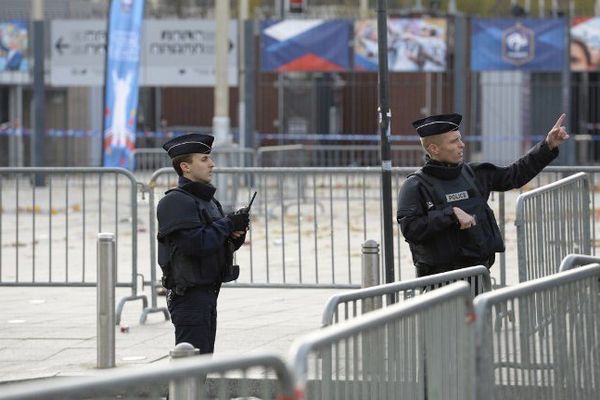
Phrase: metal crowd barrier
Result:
[550,347]
[552,221]
[309,223]
[420,348]
[49,219]
[335,155]
[577,260]
[349,305]
[147,160]
[262,376]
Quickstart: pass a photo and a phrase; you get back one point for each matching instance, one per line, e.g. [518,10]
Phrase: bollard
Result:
[370,272]
[105,303]
[370,277]
[184,388]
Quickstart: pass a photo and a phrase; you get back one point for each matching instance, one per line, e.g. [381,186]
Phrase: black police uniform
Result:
[195,252]
[426,200]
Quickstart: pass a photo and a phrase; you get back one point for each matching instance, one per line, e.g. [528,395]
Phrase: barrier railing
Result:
[49,219]
[308,223]
[148,160]
[349,305]
[577,260]
[336,155]
[550,347]
[420,348]
[552,221]
[250,372]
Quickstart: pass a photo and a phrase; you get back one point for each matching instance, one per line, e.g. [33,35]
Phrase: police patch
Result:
[450,197]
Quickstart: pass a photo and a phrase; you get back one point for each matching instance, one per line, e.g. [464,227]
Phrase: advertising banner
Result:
[414,44]
[518,44]
[121,91]
[13,46]
[585,44]
[305,45]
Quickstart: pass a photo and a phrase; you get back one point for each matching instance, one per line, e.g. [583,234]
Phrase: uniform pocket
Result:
[473,243]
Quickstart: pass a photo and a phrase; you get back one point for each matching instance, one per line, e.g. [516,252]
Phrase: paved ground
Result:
[47,332]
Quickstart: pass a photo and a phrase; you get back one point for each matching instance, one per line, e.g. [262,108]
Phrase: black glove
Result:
[241,220]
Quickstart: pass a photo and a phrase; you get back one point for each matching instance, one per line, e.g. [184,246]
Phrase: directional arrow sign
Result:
[78,49]
[60,45]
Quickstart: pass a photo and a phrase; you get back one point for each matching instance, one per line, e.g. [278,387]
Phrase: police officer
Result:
[442,208]
[196,241]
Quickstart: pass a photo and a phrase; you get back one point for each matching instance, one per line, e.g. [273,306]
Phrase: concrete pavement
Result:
[47,332]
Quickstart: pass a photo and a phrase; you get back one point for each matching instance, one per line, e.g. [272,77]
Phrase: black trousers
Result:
[194,316]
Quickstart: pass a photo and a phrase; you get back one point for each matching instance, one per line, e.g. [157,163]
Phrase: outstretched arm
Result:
[496,178]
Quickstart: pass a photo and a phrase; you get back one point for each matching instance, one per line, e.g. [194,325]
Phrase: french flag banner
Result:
[306,45]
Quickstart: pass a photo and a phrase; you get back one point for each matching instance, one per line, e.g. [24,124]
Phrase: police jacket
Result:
[427,220]
[194,244]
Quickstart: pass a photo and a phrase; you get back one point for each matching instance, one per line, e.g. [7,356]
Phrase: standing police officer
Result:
[196,241]
[442,208]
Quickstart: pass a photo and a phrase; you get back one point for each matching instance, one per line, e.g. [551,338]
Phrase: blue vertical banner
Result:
[121,81]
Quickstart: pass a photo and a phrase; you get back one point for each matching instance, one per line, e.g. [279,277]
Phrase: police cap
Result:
[189,143]
[437,124]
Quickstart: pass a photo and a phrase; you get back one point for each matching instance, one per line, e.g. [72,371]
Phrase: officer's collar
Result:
[204,191]
[441,170]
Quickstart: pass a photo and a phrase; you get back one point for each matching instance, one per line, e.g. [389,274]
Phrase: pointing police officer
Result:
[195,242]
[442,208]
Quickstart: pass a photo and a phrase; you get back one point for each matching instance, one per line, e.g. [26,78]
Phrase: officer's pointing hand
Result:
[464,220]
[557,134]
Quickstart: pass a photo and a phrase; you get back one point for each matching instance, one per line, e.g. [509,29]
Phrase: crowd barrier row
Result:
[441,344]
[307,227]
[351,304]
[552,221]
[49,221]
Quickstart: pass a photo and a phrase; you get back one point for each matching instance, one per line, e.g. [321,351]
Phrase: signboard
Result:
[77,52]
[518,44]
[415,44]
[585,44]
[182,53]
[173,53]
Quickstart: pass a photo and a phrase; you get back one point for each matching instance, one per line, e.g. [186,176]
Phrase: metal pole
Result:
[105,326]
[280,90]
[221,94]
[370,263]
[569,148]
[452,7]
[597,8]
[39,123]
[364,9]
[16,120]
[184,388]
[460,64]
[384,128]
[243,16]
[370,271]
